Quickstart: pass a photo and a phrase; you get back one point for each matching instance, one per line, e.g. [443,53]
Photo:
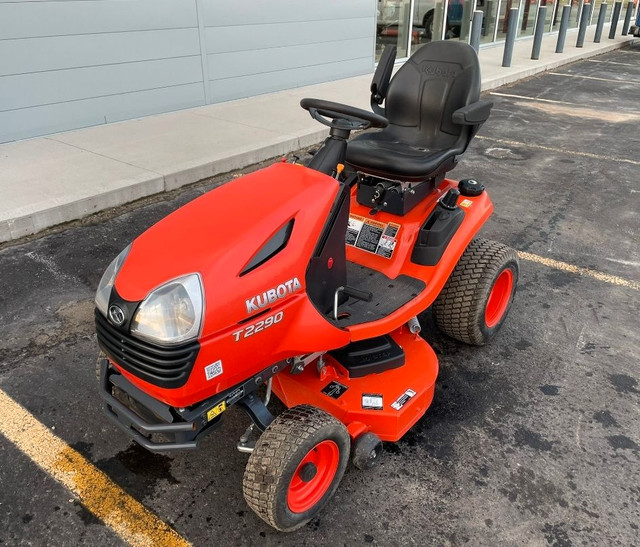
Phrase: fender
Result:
[477,210]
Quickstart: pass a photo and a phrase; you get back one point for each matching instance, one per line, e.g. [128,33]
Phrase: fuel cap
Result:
[470,187]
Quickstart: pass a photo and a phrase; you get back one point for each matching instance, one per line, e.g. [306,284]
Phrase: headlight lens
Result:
[171,313]
[108,278]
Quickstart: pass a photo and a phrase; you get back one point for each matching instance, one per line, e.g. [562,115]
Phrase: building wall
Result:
[264,45]
[67,64]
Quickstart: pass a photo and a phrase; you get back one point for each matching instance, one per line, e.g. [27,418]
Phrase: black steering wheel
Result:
[342,116]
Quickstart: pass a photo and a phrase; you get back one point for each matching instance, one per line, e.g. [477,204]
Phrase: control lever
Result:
[378,198]
[450,199]
[365,296]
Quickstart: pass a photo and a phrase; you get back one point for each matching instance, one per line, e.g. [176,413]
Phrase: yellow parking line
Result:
[607,278]
[98,493]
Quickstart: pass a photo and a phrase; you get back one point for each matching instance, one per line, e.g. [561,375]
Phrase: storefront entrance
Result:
[431,20]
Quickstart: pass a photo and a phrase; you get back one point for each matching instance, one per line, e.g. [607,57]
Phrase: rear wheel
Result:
[296,467]
[477,296]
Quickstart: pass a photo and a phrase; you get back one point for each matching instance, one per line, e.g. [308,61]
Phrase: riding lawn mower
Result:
[305,282]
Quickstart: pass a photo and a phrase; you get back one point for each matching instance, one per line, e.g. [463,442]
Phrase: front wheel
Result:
[477,296]
[296,467]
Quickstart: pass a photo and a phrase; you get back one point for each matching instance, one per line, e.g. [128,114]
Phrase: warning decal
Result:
[216,410]
[402,400]
[334,389]
[372,401]
[353,229]
[372,236]
[466,203]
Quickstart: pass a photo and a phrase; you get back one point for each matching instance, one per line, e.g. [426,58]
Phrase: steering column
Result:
[341,120]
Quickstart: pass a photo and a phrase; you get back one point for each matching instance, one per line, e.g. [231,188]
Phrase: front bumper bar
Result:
[144,418]
[181,434]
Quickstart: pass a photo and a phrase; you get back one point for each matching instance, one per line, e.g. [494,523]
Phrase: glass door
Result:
[392,26]
[551,11]
[459,16]
[527,17]
[489,10]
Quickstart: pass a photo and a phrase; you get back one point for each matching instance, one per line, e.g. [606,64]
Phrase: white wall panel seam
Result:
[286,69]
[206,83]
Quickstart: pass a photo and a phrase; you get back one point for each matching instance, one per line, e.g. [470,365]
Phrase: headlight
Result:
[108,277]
[171,313]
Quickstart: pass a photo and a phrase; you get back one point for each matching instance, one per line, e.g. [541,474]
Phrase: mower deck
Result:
[386,404]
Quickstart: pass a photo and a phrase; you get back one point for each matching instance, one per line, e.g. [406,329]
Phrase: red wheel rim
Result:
[303,495]
[499,298]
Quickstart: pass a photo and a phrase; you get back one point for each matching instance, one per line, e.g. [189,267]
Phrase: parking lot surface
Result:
[531,440]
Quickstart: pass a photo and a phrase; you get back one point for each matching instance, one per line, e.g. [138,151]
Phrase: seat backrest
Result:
[437,79]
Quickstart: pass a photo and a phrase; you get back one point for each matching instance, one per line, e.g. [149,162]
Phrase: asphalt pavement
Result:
[531,440]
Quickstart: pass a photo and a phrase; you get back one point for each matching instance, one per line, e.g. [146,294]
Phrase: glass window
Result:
[557,16]
[596,11]
[427,22]
[551,11]
[489,9]
[428,14]
[392,24]
[527,17]
[459,15]
[503,21]
[574,15]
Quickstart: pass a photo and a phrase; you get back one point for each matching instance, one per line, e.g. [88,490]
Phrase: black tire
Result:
[292,437]
[427,22]
[463,310]
[367,449]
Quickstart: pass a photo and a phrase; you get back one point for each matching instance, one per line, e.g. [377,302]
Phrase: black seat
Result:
[433,111]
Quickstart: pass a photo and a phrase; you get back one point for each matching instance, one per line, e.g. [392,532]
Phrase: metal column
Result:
[627,19]
[537,36]
[584,20]
[476,30]
[614,20]
[601,17]
[512,27]
[564,24]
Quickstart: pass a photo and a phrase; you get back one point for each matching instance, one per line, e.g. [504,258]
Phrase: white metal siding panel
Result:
[66,64]
[30,19]
[258,47]
[73,63]
[256,37]
[58,86]
[40,120]
[219,13]
[59,52]
[266,61]
[255,84]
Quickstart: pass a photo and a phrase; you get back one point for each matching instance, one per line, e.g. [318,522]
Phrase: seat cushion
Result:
[383,155]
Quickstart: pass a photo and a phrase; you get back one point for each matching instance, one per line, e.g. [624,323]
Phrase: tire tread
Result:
[458,308]
[267,464]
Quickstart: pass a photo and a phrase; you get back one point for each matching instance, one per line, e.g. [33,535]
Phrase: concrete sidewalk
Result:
[49,180]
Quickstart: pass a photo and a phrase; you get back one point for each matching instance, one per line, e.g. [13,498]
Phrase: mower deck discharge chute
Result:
[305,282]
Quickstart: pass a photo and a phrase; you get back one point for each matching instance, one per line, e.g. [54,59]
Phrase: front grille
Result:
[164,366]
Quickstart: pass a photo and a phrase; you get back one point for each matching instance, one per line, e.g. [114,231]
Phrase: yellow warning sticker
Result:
[216,411]
[466,203]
